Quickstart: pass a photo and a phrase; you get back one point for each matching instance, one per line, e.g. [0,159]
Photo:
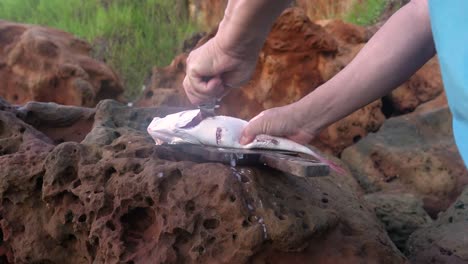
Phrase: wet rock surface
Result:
[115,197]
[48,65]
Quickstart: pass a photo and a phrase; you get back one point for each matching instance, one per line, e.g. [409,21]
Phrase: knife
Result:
[208,109]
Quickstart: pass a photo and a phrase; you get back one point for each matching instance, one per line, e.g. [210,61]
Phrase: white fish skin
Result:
[219,131]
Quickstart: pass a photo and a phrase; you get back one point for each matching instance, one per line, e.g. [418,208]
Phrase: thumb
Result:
[214,85]
[253,128]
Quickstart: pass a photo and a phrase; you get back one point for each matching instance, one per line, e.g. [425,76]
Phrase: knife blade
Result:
[208,108]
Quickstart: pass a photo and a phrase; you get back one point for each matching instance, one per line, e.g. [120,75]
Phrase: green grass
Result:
[365,12]
[138,34]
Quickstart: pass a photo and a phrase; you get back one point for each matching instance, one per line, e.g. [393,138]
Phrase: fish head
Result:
[174,128]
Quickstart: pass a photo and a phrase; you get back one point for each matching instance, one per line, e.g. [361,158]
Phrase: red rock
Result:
[439,102]
[44,64]
[424,85]
[116,198]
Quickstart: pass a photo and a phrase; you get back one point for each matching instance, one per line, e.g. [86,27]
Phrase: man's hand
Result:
[228,60]
[286,121]
[212,71]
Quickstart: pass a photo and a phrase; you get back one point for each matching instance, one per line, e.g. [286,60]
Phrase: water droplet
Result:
[233,160]
[262,223]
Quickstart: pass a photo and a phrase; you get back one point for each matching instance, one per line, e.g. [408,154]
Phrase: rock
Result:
[60,123]
[415,154]
[165,86]
[336,137]
[115,197]
[445,240]
[297,57]
[44,64]
[401,214]
[425,85]
[439,102]
[22,153]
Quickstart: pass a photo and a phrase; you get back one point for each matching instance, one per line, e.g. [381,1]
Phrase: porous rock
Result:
[48,65]
[445,240]
[115,197]
[415,154]
[400,213]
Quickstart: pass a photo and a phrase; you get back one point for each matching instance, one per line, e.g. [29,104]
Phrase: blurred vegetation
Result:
[365,12]
[130,35]
[361,12]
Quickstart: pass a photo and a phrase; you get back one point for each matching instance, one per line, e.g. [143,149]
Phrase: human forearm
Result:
[246,24]
[395,52]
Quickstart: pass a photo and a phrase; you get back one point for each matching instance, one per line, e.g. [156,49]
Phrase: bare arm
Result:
[395,52]
[228,60]
[246,24]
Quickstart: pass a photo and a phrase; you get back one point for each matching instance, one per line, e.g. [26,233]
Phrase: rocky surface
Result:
[414,153]
[115,197]
[445,240]
[48,65]
[424,85]
[412,172]
[402,214]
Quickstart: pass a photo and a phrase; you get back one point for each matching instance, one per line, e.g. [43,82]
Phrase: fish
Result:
[195,127]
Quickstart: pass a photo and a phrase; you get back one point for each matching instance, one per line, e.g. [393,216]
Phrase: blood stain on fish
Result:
[219,132]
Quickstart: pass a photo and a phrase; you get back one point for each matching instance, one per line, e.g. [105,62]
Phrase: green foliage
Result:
[135,34]
[365,12]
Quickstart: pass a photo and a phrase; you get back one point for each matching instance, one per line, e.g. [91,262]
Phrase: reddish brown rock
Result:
[423,86]
[344,133]
[439,102]
[44,64]
[117,198]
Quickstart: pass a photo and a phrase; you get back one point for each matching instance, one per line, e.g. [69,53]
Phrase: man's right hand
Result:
[212,70]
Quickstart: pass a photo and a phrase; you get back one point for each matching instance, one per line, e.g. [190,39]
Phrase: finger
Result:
[206,86]
[254,127]
[193,97]
[214,87]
